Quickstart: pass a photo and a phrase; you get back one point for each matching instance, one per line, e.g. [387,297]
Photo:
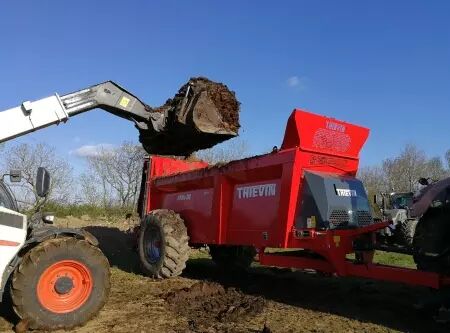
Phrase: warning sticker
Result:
[124,101]
[311,222]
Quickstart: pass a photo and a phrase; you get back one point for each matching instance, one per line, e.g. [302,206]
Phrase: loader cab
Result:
[7,199]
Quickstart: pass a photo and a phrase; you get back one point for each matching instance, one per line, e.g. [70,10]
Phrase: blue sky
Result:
[381,64]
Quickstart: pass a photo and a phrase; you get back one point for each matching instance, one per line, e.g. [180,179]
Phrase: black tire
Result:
[38,263]
[407,229]
[232,257]
[432,241]
[163,244]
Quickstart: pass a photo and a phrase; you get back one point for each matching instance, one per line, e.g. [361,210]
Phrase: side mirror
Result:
[15,176]
[378,200]
[43,182]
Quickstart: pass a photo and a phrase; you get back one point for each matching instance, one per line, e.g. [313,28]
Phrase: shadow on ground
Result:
[6,308]
[386,304]
[118,246]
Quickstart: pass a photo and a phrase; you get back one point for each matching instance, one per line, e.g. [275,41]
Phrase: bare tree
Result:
[95,190]
[28,158]
[403,172]
[435,169]
[113,175]
[447,159]
[373,179]
[231,150]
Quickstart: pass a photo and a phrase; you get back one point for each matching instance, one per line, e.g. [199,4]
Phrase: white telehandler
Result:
[58,277]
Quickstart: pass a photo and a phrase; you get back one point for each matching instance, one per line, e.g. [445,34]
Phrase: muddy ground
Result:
[206,299]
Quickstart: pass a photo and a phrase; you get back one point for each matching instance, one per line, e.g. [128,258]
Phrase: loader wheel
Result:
[232,257]
[406,232]
[163,244]
[60,284]
[432,241]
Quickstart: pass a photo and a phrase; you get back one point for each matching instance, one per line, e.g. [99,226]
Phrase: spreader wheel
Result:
[163,244]
[232,257]
[60,284]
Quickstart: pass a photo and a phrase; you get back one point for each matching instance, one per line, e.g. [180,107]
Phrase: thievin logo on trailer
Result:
[331,125]
[263,190]
[184,197]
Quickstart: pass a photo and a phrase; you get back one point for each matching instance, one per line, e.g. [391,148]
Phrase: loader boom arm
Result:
[56,109]
[200,115]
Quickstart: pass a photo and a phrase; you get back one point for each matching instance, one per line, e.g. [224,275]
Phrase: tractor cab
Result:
[401,200]
[393,201]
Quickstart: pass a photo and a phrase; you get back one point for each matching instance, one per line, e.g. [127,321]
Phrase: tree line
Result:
[402,172]
[112,176]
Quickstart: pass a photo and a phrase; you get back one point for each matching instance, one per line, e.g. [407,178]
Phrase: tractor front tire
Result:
[407,229]
[163,244]
[232,257]
[432,239]
[60,284]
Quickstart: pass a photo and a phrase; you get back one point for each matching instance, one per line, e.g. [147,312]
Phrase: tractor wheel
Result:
[432,241]
[163,244]
[60,284]
[407,230]
[232,257]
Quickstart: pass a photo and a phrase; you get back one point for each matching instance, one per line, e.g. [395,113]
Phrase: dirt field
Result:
[205,299]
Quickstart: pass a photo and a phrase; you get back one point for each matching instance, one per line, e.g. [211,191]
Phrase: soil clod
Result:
[207,304]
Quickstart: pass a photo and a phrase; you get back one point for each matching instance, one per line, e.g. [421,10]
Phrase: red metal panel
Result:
[315,133]
[394,274]
[254,212]
[159,166]
[196,209]
[166,166]
[295,262]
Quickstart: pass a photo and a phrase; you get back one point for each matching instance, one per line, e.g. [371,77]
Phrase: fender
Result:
[428,195]
[48,232]
[41,235]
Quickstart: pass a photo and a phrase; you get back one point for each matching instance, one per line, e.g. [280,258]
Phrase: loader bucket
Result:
[202,114]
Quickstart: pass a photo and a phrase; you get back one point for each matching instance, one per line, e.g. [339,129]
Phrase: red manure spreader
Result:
[299,206]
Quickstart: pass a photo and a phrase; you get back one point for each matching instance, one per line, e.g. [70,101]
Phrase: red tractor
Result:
[303,199]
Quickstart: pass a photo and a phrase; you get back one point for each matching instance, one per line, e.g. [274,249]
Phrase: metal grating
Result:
[339,218]
[364,218]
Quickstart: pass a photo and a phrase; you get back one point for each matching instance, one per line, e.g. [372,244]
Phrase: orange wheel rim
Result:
[64,286]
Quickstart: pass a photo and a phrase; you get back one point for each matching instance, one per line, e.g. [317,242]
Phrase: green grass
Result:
[391,259]
[89,210]
[394,259]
